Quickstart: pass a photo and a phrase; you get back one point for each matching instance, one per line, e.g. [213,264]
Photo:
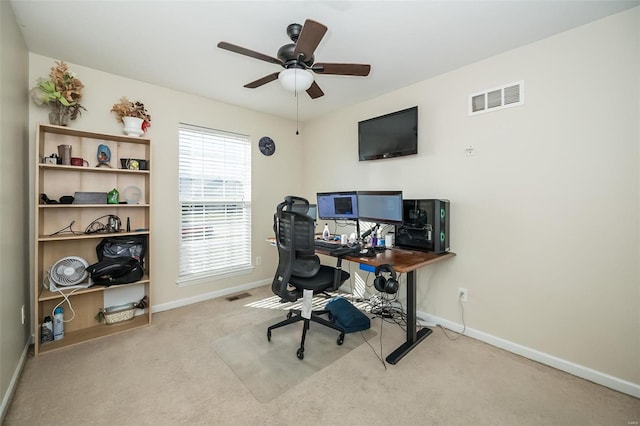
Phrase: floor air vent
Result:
[509,95]
[238,296]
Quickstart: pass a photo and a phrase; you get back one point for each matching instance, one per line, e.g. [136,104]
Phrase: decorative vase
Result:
[60,114]
[133,126]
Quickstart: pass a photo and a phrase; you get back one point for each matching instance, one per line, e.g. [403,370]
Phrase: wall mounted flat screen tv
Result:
[337,205]
[390,135]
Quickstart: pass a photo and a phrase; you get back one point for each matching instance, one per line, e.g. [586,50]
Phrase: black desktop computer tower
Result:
[425,225]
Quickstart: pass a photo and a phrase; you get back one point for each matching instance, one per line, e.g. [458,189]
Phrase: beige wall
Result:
[14,241]
[271,175]
[545,216]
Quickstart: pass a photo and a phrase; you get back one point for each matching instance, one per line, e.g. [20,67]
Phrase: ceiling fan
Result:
[297,59]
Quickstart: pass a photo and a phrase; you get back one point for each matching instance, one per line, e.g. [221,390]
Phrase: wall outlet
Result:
[462,294]
[258,260]
[22,313]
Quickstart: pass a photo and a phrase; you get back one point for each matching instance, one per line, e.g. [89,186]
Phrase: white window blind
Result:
[215,200]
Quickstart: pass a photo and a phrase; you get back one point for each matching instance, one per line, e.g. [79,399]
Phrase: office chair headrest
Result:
[294,203]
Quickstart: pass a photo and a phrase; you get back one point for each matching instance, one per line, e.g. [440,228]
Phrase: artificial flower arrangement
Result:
[126,108]
[62,92]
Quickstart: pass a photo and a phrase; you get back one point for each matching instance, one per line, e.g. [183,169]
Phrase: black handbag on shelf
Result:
[120,260]
[123,246]
[121,270]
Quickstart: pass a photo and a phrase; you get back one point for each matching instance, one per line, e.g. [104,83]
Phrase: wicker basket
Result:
[120,313]
[116,314]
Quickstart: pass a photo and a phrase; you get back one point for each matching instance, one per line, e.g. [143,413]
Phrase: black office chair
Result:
[299,267]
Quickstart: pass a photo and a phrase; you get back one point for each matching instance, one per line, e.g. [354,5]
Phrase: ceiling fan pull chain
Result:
[297,120]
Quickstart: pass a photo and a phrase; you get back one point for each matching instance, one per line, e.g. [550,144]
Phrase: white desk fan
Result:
[68,272]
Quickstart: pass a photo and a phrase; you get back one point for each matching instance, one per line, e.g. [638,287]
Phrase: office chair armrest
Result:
[281,288]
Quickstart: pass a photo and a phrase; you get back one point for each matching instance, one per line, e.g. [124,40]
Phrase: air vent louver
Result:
[512,94]
[494,99]
[477,103]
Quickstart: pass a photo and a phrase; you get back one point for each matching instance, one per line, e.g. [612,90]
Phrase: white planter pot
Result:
[133,126]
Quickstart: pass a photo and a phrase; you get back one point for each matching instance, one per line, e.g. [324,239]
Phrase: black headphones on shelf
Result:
[386,285]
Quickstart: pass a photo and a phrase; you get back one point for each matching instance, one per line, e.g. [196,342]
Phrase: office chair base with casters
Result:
[295,315]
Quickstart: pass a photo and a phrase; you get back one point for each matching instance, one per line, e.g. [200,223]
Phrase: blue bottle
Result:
[58,323]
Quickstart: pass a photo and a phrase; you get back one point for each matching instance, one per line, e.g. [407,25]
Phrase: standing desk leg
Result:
[413,337]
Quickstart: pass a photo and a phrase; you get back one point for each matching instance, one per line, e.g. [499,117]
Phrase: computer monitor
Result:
[380,206]
[313,212]
[337,205]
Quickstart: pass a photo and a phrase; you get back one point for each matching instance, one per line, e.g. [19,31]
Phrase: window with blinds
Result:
[215,202]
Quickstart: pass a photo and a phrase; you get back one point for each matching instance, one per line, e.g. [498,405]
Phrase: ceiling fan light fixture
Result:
[295,79]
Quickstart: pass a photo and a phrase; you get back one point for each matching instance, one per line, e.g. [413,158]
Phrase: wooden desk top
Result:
[403,260]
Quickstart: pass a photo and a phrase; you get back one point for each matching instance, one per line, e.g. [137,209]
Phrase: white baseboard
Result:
[587,373]
[208,296]
[6,399]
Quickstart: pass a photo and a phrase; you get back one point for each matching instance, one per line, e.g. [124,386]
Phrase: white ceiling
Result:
[173,43]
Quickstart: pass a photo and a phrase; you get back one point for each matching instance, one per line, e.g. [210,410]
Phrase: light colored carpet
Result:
[269,369]
[169,374]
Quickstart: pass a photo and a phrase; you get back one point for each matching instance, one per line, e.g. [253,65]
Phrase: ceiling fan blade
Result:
[315,91]
[360,70]
[310,36]
[264,80]
[250,53]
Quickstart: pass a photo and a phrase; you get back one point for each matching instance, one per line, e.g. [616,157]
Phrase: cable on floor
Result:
[464,325]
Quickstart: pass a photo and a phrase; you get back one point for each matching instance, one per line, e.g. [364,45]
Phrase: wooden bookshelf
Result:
[64,229]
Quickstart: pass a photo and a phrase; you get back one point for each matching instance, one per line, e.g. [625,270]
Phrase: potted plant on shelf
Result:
[62,92]
[133,115]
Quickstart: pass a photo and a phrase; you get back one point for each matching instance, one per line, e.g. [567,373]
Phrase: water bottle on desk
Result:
[326,234]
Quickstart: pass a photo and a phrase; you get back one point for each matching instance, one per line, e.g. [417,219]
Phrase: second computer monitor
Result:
[310,210]
[337,205]
[380,206]
[313,212]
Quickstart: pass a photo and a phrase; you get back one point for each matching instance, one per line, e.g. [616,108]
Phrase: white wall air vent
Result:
[506,96]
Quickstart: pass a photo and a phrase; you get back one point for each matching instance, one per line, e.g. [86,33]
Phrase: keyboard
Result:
[329,245]
[345,251]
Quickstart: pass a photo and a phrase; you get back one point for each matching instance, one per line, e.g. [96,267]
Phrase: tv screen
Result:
[390,135]
[380,206]
[337,205]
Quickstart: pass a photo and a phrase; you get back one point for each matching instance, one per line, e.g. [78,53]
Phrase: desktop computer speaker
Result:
[386,285]
[425,225]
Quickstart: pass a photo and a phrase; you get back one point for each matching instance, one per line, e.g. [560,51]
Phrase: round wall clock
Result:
[267,145]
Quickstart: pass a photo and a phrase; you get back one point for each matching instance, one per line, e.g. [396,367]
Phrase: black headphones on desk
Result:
[386,285]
